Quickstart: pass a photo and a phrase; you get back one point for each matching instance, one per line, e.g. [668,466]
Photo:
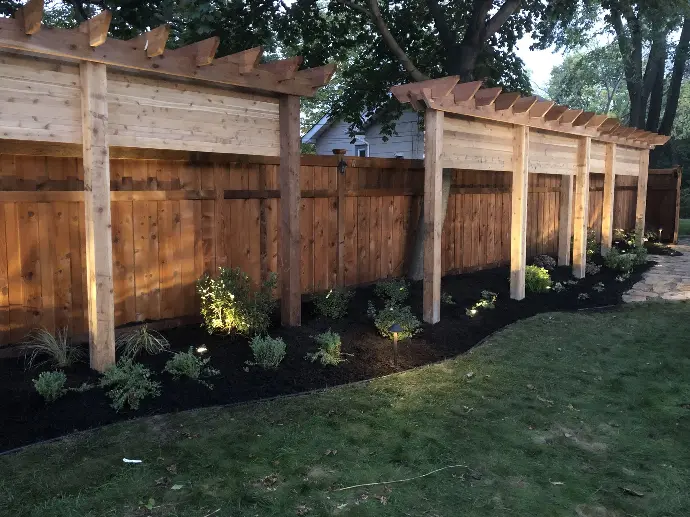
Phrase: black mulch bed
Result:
[657,248]
[26,418]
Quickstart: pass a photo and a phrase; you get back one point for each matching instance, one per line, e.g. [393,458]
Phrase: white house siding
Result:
[408,142]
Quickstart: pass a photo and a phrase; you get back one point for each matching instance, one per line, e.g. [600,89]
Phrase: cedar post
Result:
[518,220]
[340,275]
[641,197]
[99,244]
[291,295]
[433,214]
[609,192]
[565,220]
[581,207]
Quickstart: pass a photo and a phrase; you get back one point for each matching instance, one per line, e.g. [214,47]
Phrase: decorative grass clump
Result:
[537,279]
[57,348]
[132,343]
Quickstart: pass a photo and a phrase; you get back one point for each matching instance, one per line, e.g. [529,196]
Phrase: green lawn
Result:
[684,227]
[561,415]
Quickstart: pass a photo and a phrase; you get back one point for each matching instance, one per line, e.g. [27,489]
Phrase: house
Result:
[406,142]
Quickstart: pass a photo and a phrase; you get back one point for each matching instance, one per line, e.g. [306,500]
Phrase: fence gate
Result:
[663,202]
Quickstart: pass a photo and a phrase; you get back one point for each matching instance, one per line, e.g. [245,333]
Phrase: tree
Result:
[643,31]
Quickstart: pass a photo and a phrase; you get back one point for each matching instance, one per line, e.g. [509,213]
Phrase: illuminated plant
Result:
[230,304]
[537,279]
[56,348]
[333,303]
[400,314]
[487,301]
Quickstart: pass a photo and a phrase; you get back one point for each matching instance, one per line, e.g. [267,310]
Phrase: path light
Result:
[202,349]
[395,328]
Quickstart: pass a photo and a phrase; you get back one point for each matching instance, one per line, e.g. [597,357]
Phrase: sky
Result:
[538,63]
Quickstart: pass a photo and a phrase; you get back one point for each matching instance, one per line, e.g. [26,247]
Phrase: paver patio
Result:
[669,279]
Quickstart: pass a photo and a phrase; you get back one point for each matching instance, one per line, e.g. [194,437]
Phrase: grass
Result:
[567,414]
[684,227]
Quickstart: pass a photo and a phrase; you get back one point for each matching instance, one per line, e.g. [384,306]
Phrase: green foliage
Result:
[400,314]
[186,364]
[392,290]
[268,352]
[558,287]
[537,279]
[446,298]
[329,349]
[50,385]
[230,304]
[625,261]
[592,269]
[133,342]
[333,303]
[128,383]
[57,348]
[545,261]
[583,296]
[599,287]
[593,244]
[487,301]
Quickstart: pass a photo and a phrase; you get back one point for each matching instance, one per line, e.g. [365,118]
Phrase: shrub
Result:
[487,301]
[593,244]
[400,314]
[592,269]
[329,349]
[558,287]
[186,364]
[447,299]
[268,351]
[392,290]
[537,279]
[133,342]
[623,277]
[129,384]
[583,296]
[229,304]
[545,261]
[51,385]
[598,287]
[58,349]
[620,261]
[641,255]
[333,304]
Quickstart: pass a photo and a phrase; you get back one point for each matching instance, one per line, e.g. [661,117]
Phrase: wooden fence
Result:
[663,202]
[178,215]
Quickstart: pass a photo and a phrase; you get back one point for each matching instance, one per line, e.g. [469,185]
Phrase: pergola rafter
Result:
[488,129]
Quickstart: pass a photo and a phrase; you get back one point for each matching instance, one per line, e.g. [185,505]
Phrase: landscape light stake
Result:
[395,328]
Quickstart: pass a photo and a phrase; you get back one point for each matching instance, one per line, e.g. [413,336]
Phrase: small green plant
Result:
[599,287]
[571,281]
[133,342]
[268,352]
[128,383]
[558,287]
[537,279]
[333,303]
[58,349]
[50,385]
[592,269]
[400,314]
[593,244]
[623,277]
[446,298]
[583,296]
[186,364]
[545,261]
[392,290]
[230,304]
[329,349]
[487,301]
[371,310]
[620,261]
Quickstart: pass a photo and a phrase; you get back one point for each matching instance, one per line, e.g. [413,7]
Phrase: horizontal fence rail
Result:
[177,216]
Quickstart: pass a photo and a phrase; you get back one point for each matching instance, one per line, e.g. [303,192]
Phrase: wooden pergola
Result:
[78,86]
[470,127]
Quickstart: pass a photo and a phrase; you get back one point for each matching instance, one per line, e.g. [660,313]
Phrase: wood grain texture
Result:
[433,216]
[581,209]
[518,227]
[608,199]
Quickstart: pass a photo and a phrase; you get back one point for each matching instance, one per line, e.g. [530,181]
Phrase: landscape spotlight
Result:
[395,328]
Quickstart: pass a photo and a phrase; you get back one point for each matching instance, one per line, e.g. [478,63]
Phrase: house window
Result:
[361,150]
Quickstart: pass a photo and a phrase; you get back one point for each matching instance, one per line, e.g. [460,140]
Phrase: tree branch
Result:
[682,52]
[501,16]
[375,14]
[448,37]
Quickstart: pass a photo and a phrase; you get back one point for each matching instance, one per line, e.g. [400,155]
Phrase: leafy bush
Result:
[545,261]
[329,349]
[623,277]
[392,290]
[400,314]
[537,279]
[583,296]
[487,301]
[134,342]
[58,348]
[186,364]
[592,269]
[229,304]
[598,287]
[558,287]
[333,304]
[51,385]
[593,244]
[268,351]
[446,298]
[625,262]
[129,384]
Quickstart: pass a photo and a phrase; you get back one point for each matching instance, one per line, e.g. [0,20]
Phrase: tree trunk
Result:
[676,79]
[461,60]
[416,269]
[655,101]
